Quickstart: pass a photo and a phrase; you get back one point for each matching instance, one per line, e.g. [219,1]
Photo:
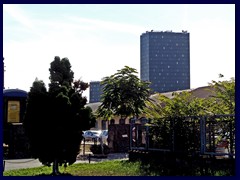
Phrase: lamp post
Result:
[3,73]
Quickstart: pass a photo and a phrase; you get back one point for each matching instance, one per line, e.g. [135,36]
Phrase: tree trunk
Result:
[55,169]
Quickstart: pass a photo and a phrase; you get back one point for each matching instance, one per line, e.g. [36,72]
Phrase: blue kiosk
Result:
[14,106]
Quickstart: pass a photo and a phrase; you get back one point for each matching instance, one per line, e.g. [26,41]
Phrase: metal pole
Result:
[173,133]
[84,144]
[203,134]
[130,133]
[147,137]
[3,165]
[136,132]
[231,139]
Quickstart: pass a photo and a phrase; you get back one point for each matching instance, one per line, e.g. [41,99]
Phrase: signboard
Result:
[13,112]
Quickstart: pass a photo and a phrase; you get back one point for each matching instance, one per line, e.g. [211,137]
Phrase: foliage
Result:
[184,104]
[168,114]
[181,105]
[60,71]
[224,98]
[54,119]
[177,114]
[124,94]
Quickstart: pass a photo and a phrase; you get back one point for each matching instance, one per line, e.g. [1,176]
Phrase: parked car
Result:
[104,136]
[91,135]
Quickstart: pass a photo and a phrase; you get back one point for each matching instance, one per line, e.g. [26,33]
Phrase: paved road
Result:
[29,163]
[21,164]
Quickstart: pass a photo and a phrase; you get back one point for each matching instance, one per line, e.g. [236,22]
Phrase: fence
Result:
[193,135]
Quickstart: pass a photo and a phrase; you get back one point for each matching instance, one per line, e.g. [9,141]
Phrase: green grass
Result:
[114,168]
[106,168]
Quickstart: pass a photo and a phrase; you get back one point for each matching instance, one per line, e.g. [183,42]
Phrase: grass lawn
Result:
[106,168]
[112,168]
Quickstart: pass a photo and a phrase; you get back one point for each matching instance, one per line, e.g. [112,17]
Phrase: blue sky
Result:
[101,39]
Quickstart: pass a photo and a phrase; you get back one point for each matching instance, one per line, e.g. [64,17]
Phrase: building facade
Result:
[165,60]
[95,92]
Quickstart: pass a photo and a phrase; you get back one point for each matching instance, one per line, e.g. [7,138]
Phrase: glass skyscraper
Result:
[165,60]
[95,91]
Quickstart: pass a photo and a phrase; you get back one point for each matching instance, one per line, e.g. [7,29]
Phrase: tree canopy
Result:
[185,104]
[182,104]
[224,98]
[179,114]
[60,71]
[124,94]
[55,119]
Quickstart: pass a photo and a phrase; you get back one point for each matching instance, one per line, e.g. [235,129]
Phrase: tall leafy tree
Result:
[223,102]
[181,105]
[164,110]
[168,115]
[124,94]
[60,71]
[184,104]
[55,119]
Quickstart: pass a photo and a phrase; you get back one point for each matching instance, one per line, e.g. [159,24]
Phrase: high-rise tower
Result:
[95,91]
[165,60]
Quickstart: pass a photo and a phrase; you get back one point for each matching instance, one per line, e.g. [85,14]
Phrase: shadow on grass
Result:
[61,174]
[185,168]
